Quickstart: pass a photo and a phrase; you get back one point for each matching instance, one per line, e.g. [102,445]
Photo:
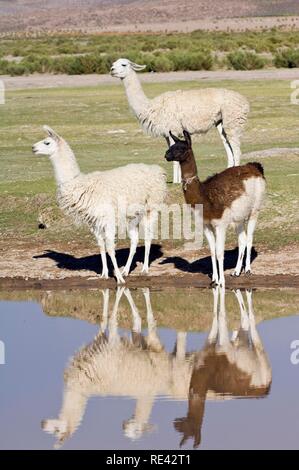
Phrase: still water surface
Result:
[140,369]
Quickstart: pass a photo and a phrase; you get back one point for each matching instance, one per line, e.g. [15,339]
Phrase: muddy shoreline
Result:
[156,282]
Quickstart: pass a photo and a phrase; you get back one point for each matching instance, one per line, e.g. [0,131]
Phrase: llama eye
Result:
[47,143]
[124,65]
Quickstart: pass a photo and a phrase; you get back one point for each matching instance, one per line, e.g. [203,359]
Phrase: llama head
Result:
[179,151]
[121,68]
[49,145]
[58,427]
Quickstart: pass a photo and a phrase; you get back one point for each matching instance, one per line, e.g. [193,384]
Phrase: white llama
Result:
[196,111]
[96,198]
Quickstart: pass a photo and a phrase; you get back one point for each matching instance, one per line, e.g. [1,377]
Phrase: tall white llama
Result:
[196,111]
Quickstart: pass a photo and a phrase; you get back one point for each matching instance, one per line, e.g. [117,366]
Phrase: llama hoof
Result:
[104,275]
[144,271]
[235,274]
[125,271]
[248,273]
[119,278]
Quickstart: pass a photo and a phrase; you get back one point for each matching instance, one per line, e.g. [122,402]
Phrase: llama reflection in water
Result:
[236,367]
[140,367]
[111,365]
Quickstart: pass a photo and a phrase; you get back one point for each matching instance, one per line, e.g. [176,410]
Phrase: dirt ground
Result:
[23,265]
[55,81]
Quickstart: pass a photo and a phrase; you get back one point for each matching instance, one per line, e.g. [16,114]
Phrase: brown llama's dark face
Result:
[179,151]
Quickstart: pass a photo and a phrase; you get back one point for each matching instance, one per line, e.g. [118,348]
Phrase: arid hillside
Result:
[139,15]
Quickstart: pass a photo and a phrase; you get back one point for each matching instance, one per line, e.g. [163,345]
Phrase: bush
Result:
[191,61]
[162,64]
[288,58]
[241,60]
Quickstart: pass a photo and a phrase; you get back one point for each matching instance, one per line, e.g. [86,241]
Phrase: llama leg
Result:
[110,245]
[227,146]
[223,335]
[180,347]
[133,234]
[135,314]
[153,339]
[240,231]
[113,325]
[212,338]
[243,312]
[233,137]
[149,221]
[177,174]
[261,356]
[102,246]
[212,244]
[255,337]
[104,321]
[250,231]
[220,243]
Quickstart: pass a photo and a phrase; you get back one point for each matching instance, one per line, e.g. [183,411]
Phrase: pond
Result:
[149,369]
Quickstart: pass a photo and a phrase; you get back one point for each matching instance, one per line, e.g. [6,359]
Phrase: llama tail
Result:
[258,166]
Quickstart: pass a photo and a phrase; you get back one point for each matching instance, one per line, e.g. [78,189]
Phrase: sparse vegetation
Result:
[242,60]
[287,58]
[199,50]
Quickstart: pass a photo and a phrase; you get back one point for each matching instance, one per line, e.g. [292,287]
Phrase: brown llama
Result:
[232,197]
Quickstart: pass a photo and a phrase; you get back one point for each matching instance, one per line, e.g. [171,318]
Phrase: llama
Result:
[197,111]
[229,368]
[94,199]
[109,364]
[232,197]
[140,367]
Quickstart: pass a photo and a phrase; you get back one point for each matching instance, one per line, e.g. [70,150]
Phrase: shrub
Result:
[191,61]
[241,60]
[288,58]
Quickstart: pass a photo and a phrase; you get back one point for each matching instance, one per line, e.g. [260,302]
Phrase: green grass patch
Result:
[99,127]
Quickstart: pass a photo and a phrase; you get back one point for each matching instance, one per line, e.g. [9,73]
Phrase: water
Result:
[132,390]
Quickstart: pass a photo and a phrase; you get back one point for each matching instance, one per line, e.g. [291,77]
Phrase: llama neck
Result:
[135,94]
[188,166]
[65,165]
[192,187]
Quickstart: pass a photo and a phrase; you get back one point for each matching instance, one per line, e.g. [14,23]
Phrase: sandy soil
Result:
[56,81]
[208,24]
[50,265]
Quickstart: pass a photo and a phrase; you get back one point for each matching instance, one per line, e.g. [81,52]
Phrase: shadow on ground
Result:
[93,262]
[204,265]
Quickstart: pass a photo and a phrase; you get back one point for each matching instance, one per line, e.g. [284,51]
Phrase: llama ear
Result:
[174,137]
[187,137]
[51,133]
[137,67]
